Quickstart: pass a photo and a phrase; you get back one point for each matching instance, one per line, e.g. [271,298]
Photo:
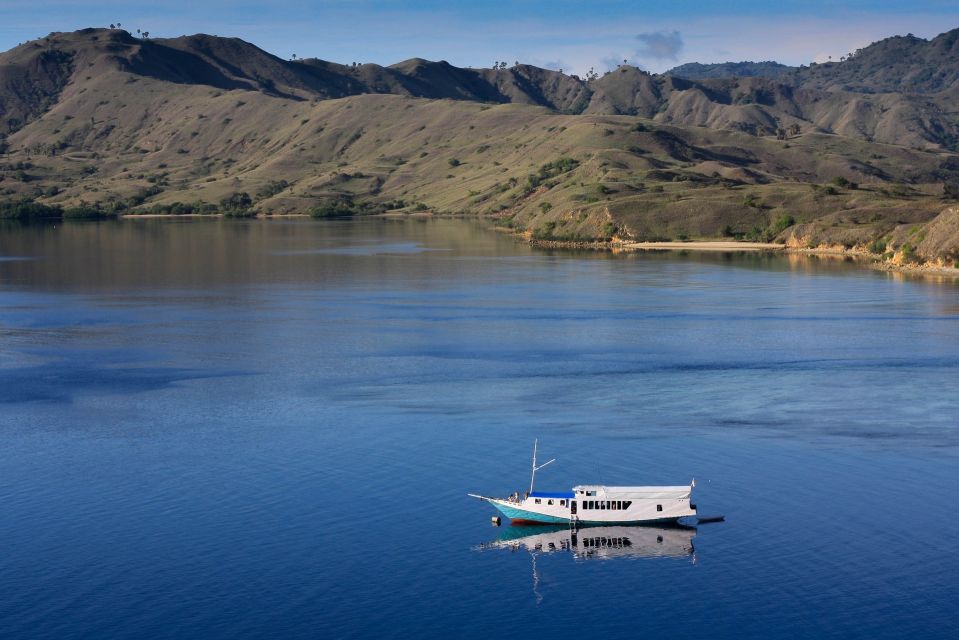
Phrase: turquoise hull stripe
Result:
[514,513]
[521,514]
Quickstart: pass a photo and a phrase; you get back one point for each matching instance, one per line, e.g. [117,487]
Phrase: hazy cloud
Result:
[555,65]
[662,45]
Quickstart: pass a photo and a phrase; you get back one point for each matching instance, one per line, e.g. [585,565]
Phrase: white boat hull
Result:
[600,505]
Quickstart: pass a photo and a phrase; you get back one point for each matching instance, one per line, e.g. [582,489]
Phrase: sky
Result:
[557,34]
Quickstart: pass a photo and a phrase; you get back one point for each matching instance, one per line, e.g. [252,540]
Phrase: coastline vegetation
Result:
[30,210]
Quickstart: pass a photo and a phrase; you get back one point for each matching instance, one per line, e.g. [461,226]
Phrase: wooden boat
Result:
[593,504]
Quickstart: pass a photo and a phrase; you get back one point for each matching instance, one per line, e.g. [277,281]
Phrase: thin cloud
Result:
[662,45]
[555,65]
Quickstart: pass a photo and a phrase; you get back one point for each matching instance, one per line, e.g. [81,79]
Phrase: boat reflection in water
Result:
[596,543]
[600,542]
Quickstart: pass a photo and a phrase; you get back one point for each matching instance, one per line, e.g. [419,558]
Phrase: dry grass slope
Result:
[127,125]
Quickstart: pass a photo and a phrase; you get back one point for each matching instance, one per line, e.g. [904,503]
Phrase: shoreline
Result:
[704,245]
[868,259]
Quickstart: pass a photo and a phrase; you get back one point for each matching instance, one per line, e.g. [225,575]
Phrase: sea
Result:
[216,428]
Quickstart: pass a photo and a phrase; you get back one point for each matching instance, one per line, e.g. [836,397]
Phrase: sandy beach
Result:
[718,245]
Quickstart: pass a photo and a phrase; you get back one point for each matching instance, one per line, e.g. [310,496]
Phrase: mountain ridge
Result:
[812,96]
[744,69]
[98,117]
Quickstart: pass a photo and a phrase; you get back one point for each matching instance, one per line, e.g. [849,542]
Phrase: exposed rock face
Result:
[941,237]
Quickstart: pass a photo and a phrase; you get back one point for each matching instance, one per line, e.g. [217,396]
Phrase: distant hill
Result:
[856,97]
[901,64]
[846,153]
[698,71]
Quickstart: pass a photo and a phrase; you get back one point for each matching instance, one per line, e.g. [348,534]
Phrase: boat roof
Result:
[601,487]
[552,494]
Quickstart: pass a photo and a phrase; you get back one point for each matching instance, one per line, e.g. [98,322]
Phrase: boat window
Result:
[537,501]
[627,503]
[659,507]
[549,502]
[602,505]
[562,503]
[619,505]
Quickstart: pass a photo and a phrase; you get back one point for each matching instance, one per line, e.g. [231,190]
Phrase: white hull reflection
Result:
[599,542]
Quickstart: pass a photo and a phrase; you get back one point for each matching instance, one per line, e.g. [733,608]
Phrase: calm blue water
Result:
[251,429]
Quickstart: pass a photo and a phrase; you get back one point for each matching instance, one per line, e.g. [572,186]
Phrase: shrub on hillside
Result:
[782,223]
[878,246]
[236,203]
[272,188]
[547,171]
[334,209]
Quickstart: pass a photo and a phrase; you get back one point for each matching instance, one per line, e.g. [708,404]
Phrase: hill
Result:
[901,64]
[698,71]
[104,122]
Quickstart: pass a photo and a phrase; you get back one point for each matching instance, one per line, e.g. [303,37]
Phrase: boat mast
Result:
[535,468]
